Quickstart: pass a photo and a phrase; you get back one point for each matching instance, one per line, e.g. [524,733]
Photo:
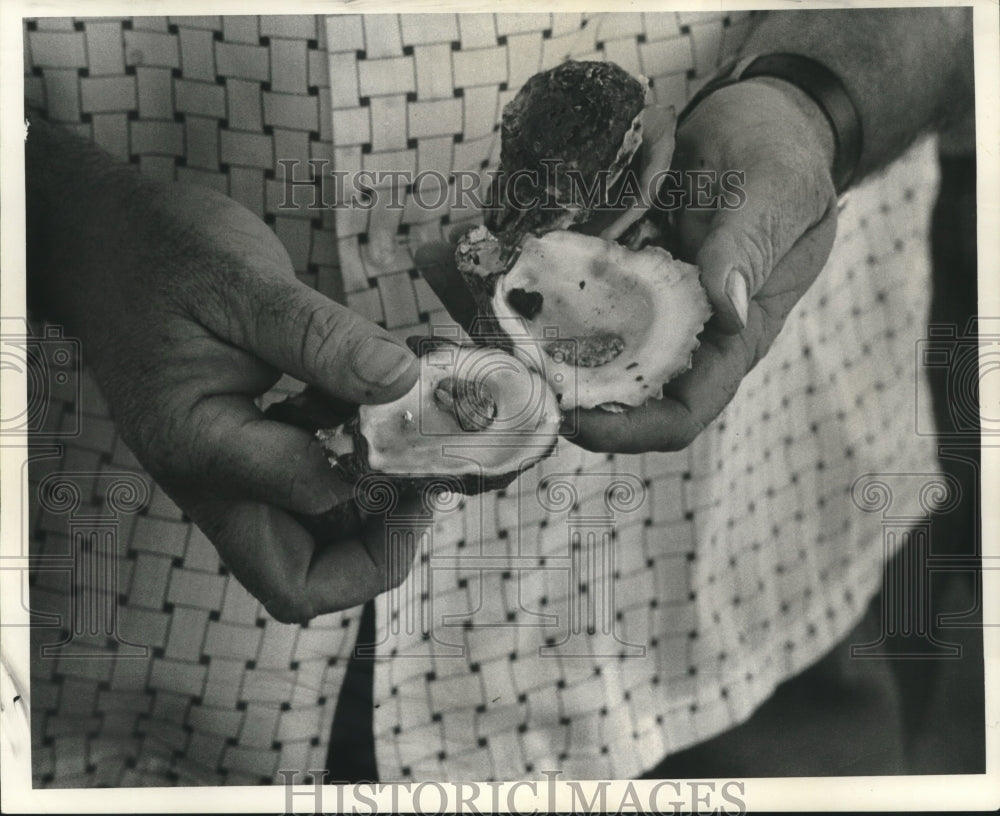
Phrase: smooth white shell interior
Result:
[590,286]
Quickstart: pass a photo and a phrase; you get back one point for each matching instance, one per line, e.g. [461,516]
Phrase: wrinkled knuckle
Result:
[809,192]
[188,444]
[155,438]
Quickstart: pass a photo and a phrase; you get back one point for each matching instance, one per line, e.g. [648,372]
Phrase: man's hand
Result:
[756,260]
[188,309]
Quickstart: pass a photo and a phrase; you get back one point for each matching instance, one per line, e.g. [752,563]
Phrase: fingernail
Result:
[736,291]
[381,362]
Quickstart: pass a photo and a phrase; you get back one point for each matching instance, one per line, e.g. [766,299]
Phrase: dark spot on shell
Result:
[527,304]
[630,366]
[639,378]
[583,284]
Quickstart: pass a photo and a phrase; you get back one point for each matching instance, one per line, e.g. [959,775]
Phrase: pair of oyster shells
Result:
[578,321]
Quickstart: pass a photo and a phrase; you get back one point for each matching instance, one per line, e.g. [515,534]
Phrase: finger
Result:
[304,333]
[241,455]
[719,365]
[744,245]
[795,273]
[784,189]
[436,263]
[296,577]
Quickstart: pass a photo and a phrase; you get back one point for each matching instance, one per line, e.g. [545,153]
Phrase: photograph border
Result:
[941,793]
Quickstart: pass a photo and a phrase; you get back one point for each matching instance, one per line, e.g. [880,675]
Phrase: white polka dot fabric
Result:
[600,612]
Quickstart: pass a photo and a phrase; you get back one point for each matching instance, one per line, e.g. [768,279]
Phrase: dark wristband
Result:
[820,84]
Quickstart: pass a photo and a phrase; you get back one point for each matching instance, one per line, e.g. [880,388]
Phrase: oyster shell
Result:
[582,118]
[476,417]
[612,322]
[614,325]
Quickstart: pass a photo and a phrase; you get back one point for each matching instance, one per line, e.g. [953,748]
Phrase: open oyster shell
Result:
[613,321]
[475,419]
[611,326]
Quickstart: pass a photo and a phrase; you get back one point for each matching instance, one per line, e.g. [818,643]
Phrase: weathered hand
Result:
[188,309]
[756,260]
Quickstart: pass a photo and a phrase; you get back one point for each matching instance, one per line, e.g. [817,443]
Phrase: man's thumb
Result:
[743,245]
[732,268]
[302,332]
